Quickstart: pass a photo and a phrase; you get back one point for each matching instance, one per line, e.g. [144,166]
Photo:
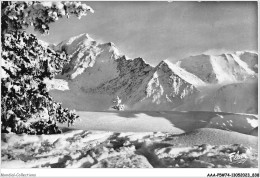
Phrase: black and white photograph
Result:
[129,84]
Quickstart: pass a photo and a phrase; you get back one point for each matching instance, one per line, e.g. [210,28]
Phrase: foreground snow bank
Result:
[101,149]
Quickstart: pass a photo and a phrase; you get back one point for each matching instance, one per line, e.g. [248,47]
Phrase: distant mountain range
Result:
[97,73]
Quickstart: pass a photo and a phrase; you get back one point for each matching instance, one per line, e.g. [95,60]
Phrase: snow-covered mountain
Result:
[91,63]
[99,69]
[97,73]
[141,86]
[163,89]
[234,98]
[224,68]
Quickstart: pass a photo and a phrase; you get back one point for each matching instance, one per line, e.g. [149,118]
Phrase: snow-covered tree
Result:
[117,101]
[118,106]
[26,105]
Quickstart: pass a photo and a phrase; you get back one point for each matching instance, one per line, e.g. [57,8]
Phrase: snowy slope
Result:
[189,77]
[145,88]
[91,62]
[240,97]
[235,98]
[254,131]
[164,121]
[163,89]
[131,74]
[129,77]
[205,148]
[225,68]
[251,59]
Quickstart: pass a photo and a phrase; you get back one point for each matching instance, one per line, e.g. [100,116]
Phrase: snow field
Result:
[100,149]
[164,121]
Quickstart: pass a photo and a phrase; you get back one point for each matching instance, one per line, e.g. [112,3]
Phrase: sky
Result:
[165,30]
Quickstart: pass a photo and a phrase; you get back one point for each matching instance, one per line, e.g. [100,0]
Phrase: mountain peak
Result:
[78,38]
[222,68]
[241,52]
[83,35]
[164,63]
[167,66]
